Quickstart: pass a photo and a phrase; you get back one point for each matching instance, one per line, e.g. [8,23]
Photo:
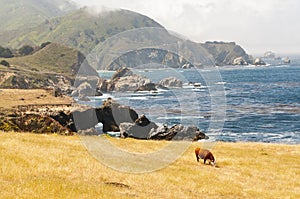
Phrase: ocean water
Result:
[257,104]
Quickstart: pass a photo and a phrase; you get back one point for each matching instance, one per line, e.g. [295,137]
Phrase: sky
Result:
[256,25]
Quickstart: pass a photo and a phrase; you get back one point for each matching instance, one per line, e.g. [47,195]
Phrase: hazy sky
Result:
[256,25]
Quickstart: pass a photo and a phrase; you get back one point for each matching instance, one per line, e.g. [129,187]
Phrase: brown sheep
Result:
[206,155]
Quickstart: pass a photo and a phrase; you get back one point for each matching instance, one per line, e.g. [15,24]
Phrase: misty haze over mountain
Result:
[257,25]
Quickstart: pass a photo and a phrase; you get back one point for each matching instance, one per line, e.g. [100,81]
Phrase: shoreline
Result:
[21,102]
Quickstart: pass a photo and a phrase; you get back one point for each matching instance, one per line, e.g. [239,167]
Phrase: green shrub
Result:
[43,45]
[26,50]
[5,63]
[5,52]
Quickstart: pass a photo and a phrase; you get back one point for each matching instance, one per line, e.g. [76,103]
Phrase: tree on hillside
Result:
[26,50]
[5,63]
[43,45]
[5,52]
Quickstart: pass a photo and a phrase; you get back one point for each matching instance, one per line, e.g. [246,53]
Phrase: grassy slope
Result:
[53,58]
[15,14]
[49,166]
[81,29]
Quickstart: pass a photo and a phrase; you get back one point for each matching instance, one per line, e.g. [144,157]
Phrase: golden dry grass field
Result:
[10,98]
[52,166]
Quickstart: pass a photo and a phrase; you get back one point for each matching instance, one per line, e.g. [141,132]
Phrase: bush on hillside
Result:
[43,45]
[5,52]
[4,63]
[26,50]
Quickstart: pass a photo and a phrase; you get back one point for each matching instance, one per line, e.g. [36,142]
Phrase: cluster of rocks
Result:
[82,119]
[171,82]
[123,80]
[149,130]
[123,119]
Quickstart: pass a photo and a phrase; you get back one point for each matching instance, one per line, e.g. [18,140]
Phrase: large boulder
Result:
[189,133]
[161,133]
[111,115]
[171,82]
[85,89]
[140,129]
[130,83]
[176,132]
[147,87]
[84,117]
[124,80]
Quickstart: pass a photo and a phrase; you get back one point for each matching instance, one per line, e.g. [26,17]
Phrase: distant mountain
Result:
[195,55]
[22,14]
[86,30]
[167,50]
[82,29]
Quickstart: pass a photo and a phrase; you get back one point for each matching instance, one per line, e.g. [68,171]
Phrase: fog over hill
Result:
[19,14]
[87,29]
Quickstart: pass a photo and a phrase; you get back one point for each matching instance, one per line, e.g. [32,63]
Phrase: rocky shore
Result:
[72,118]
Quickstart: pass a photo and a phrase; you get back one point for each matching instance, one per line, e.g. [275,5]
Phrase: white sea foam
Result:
[180,117]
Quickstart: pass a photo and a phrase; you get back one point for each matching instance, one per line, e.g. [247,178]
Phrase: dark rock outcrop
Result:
[177,132]
[83,119]
[111,115]
[147,87]
[139,129]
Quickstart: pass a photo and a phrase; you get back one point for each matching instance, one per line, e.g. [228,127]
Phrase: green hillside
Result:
[45,68]
[80,29]
[53,58]
[20,14]
[84,29]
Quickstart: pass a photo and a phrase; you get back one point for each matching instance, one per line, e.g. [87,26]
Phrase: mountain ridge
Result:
[79,29]
[84,30]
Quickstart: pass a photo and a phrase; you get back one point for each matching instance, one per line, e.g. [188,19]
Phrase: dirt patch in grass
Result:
[12,98]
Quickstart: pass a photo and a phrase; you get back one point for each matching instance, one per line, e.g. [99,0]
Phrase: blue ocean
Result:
[252,104]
